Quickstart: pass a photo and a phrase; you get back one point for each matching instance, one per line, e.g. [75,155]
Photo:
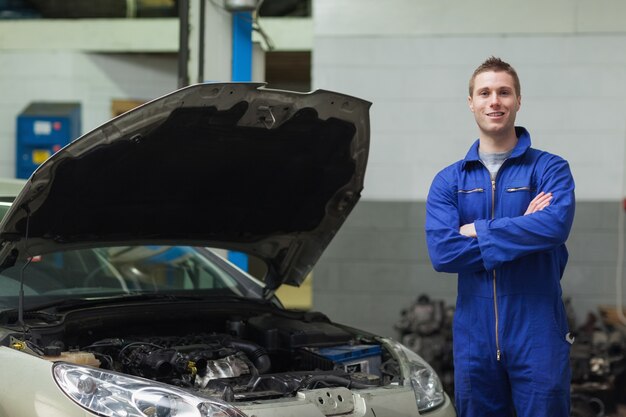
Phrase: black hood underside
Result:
[266,172]
[280,181]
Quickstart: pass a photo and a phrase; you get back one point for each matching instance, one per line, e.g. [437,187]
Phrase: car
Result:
[117,297]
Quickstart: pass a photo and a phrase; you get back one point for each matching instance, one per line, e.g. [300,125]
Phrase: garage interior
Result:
[412,60]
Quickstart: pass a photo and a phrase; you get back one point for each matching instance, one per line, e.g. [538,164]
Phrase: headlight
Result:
[418,373]
[111,394]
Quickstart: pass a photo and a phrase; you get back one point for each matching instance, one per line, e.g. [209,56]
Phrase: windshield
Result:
[180,270]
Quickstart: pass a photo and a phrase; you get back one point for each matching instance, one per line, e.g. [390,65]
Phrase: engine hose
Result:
[258,355]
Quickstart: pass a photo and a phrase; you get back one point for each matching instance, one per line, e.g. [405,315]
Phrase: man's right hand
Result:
[541,201]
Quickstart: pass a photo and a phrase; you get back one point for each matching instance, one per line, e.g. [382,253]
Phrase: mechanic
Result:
[499,219]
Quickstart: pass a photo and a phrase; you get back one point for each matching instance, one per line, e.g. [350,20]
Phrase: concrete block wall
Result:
[90,78]
[377,265]
[413,60]
[572,104]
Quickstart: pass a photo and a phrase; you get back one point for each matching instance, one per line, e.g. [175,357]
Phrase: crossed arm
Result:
[487,243]
[541,201]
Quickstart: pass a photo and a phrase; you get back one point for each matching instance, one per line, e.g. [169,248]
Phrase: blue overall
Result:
[511,338]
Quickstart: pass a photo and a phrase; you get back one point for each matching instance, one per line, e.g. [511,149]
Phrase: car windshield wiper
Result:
[9,315]
[183,297]
[60,305]
[69,303]
[213,298]
[38,310]
[93,301]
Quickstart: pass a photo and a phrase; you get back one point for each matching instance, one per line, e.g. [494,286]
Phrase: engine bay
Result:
[249,357]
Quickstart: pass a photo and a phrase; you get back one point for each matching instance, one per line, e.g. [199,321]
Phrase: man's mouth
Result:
[495,114]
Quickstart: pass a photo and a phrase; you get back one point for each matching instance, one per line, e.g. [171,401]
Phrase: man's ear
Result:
[519,102]
[470,103]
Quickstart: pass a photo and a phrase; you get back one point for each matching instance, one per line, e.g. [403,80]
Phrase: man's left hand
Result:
[468,230]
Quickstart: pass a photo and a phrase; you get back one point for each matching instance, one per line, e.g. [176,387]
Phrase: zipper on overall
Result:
[495,290]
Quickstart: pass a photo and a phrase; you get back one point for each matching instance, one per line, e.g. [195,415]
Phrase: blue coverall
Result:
[510,335]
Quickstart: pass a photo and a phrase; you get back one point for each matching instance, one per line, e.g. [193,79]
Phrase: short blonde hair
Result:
[495,64]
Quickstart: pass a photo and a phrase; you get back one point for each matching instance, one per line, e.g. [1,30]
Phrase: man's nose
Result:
[494,99]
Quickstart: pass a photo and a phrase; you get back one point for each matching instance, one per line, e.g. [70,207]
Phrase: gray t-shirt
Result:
[493,161]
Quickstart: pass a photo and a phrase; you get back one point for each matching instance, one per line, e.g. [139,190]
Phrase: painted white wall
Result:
[92,79]
[413,60]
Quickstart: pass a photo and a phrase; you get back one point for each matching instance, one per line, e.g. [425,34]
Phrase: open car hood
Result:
[235,165]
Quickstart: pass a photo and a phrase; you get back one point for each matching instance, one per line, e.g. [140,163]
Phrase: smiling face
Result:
[495,102]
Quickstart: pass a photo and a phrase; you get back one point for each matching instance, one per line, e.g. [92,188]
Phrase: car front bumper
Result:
[28,389]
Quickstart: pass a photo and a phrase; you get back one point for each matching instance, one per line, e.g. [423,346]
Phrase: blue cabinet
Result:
[42,129]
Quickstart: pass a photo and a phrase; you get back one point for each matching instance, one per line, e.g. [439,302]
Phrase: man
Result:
[500,218]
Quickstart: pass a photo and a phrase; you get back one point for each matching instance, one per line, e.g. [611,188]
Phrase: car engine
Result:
[260,356]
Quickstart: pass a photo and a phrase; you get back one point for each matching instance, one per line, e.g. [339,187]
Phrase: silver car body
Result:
[233,166]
